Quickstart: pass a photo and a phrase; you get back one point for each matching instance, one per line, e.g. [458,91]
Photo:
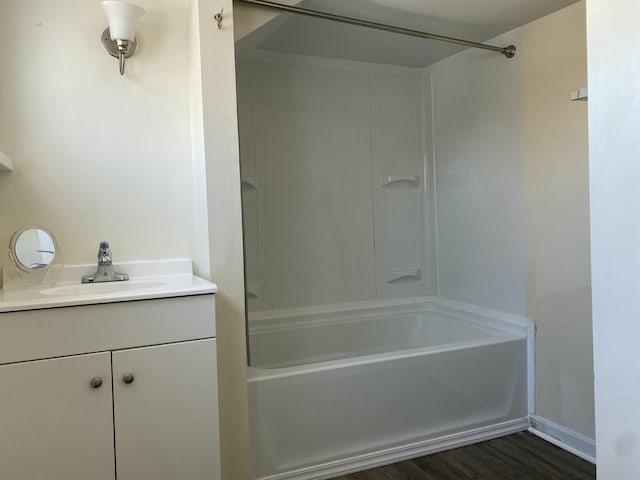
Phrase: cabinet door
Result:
[54,424]
[166,412]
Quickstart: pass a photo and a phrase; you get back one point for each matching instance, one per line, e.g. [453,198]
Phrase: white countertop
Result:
[148,280]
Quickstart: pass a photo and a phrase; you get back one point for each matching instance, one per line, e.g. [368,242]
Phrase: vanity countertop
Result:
[148,280]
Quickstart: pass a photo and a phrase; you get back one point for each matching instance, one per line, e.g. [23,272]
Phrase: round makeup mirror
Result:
[32,248]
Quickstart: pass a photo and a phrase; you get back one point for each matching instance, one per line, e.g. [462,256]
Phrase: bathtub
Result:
[339,389]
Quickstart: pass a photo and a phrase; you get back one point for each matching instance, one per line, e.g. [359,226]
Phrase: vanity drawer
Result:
[56,332]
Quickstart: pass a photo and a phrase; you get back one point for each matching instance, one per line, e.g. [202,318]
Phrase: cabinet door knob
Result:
[96,382]
[128,378]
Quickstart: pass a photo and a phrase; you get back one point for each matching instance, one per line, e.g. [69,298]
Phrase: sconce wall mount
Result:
[118,48]
[119,38]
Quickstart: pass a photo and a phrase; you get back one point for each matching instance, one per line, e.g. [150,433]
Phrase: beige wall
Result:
[556,163]
[97,156]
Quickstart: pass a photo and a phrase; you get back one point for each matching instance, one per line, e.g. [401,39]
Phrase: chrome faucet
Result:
[105,272]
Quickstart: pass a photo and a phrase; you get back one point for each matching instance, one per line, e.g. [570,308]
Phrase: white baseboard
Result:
[405,452]
[562,437]
[573,442]
[531,367]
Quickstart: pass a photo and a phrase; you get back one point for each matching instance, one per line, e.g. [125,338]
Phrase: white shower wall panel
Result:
[399,185]
[313,154]
[257,293]
[317,214]
[319,144]
[477,117]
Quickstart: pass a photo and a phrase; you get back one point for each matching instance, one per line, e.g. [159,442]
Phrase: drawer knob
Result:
[96,382]
[128,378]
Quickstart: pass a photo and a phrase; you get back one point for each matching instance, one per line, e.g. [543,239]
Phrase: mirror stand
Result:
[33,259]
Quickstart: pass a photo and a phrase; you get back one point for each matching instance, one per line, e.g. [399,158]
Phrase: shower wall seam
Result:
[426,216]
[373,193]
[425,241]
[259,194]
[436,233]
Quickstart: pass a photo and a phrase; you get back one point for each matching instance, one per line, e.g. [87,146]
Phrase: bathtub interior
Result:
[282,339]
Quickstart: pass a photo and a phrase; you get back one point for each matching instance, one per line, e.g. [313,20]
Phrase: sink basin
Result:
[149,280]
[99,288]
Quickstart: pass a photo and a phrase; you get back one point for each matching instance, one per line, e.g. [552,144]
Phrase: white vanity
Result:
[106,380]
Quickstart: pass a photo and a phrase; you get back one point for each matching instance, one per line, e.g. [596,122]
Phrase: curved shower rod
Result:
[508,52]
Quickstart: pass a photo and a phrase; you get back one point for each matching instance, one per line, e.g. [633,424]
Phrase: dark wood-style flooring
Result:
[522,456]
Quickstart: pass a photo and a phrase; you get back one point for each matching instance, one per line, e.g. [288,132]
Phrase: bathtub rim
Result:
[256,374]
[274,320]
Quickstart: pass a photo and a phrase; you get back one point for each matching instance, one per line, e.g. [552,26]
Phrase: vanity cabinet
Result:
[53,424]
[166,419]
[131,413]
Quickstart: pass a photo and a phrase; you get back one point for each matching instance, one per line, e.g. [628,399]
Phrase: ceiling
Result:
[475,20]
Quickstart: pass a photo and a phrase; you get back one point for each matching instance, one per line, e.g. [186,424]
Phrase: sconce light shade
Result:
[120,37]
[123,18]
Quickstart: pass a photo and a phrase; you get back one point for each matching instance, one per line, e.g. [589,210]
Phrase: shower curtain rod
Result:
[508,52]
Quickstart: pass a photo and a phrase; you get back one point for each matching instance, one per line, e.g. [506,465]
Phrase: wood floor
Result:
[522,456]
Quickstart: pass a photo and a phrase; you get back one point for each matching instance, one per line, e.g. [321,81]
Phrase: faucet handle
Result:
[104,254]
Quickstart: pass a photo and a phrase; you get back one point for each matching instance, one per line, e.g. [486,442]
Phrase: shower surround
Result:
[356,360]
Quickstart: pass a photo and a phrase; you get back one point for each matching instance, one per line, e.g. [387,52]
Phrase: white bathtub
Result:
[338,390]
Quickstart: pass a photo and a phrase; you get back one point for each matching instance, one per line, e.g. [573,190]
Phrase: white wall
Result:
[318,140]
[614,149]
[97,156]
[511,162]
[219,214]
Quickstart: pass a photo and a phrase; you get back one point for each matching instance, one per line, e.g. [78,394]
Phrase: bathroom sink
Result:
[149,280]
[100,288]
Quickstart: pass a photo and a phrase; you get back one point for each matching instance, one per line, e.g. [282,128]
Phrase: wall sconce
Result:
[119,39]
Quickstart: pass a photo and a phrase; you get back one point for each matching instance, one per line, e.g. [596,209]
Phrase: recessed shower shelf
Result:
[253,290]
[408,274]
[250,182]
[6,164]
[411,181]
